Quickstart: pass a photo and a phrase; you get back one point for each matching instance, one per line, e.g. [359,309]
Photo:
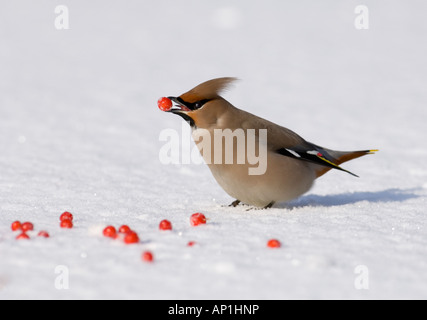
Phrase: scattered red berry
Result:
[66,216]
[16,225]
[21,236]
[66,223]
[27,226]
[131,237]
[191,243]
[273,243]
[197,218]
[164,104]
[124,229]
[147,256]
[43,234]
[110,232]
[165,225]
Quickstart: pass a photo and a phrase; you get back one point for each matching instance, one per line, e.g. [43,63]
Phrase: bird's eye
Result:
[199,104]
[192,105]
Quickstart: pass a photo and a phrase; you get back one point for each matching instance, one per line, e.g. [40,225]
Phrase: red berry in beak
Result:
[164,104]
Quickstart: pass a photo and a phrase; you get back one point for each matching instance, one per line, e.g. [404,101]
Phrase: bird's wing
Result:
[312,153]
[287,143]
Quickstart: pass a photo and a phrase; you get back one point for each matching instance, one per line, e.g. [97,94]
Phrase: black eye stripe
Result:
[195,105]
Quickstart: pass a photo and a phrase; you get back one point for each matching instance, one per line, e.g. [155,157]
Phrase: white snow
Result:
[79,131]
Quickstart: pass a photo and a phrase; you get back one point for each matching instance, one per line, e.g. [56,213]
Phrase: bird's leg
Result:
[234,203]
[269,205]
[259,208]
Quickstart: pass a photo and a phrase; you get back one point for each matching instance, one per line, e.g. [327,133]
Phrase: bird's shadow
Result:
[388,195]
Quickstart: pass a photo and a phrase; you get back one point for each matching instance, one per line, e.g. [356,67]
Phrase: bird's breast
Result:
[244,167]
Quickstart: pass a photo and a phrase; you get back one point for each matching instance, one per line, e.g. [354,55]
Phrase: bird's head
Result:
[203,104]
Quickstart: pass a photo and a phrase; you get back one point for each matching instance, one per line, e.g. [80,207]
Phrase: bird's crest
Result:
[210,89]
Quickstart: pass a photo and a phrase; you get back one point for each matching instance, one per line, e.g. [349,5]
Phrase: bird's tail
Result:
[341,157]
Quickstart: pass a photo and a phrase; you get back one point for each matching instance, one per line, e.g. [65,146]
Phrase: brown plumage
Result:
[346,156]
[291,163]
[208,90]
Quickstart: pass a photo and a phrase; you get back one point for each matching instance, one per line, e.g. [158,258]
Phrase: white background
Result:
[79,129]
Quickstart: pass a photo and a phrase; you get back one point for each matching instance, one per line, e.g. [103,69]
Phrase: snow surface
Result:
[79,131]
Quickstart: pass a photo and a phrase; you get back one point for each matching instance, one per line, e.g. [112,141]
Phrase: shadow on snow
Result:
[389,195]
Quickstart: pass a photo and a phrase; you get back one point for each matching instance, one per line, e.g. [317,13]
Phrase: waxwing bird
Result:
[255,161]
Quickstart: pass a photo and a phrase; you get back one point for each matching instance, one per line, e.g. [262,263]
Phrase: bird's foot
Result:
[235,203]
[268,206]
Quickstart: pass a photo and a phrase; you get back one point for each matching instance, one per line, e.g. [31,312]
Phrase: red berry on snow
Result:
[27,226]
[16,225]
[273,243]
[110,232]
[165,225]
[124,229]
[131,237]
[43,234]
[23,235]
[191,243]
[147,256]
[164,104]
[66,223]
[66,216]
[197,218]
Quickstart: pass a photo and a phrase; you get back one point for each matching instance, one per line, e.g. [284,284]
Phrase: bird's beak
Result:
[182,110]
[179,106]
